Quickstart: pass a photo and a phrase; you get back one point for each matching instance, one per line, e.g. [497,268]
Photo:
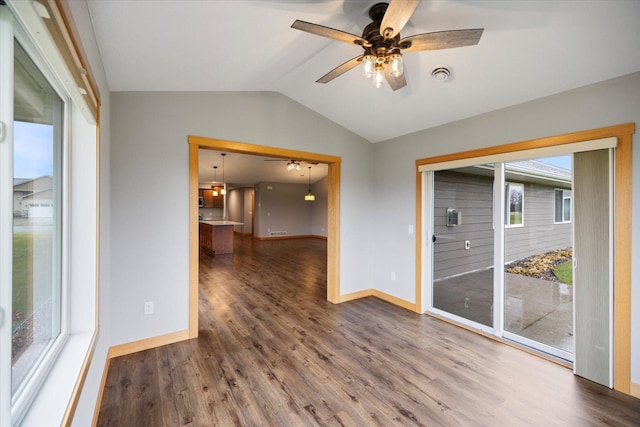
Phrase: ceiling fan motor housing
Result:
[380,46]
[377,11]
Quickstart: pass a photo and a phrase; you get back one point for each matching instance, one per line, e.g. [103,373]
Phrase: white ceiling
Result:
[529,49]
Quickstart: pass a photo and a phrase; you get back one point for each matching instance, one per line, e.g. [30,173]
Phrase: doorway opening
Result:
[333,211]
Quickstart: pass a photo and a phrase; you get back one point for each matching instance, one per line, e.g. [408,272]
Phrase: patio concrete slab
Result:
[536,309]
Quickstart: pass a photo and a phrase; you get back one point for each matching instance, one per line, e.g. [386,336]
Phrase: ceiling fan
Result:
[292,164]
[382,45]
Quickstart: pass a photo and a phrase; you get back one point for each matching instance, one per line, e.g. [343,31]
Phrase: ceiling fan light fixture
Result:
[293,166]
[397,64]
[368,64]
[378,76]
[441,74]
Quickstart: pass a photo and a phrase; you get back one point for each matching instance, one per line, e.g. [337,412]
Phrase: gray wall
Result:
[281,207]
[236,208]
[608,103]
[247,214]
[319,209]
[539,234]
[149,174]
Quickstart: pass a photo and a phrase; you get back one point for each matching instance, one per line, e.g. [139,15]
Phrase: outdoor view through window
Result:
[37,224]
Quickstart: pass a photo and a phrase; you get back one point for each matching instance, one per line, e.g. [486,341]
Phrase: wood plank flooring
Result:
[273,352]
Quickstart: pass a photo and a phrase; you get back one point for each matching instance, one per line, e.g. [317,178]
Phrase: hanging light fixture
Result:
[215,180]
[309,197]
[376,65]
[224,184]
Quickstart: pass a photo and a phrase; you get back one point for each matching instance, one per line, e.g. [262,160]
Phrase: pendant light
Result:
[215,180]
[224,184]
[309,197]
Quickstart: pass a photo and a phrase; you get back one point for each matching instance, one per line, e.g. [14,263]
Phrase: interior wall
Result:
[248,210]
[281,207]
[319,211]
[235,207]
[149,192]
[608,103]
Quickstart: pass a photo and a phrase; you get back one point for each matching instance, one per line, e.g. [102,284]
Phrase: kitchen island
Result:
[216,236]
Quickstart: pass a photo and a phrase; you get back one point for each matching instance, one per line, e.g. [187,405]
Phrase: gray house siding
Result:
[473,196]
[539,233]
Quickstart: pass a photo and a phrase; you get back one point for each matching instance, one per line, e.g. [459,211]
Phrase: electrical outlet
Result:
[148,307]
[393,275]
[467,244]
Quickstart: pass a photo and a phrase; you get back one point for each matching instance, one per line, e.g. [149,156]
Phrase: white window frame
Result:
[25,395]
[555,206]
[507,219]
[60,392]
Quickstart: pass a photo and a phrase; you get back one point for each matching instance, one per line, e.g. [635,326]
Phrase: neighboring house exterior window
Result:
[562,206]
[515,205]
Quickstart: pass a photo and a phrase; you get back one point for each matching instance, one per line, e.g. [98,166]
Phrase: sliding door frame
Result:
[622,229]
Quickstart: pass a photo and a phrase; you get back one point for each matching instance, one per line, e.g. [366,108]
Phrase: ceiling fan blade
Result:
[395,82]
[332,33]
[395,18]
[440,40]
[340,69]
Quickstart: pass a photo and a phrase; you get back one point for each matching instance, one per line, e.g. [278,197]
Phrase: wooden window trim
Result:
[66,38]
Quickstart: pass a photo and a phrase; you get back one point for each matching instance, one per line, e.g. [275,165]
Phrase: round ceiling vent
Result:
[441,74]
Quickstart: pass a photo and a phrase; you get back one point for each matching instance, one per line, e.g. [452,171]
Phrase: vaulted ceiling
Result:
[529,49]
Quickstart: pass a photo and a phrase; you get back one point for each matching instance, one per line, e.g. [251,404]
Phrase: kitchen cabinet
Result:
[206,237]
[209,200]
[217,236]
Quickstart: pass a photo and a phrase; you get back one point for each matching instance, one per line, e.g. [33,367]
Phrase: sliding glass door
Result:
[538,254]
[520,245]
[502,250]
[463,273]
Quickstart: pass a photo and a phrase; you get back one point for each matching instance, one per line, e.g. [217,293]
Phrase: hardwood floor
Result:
[273,352]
